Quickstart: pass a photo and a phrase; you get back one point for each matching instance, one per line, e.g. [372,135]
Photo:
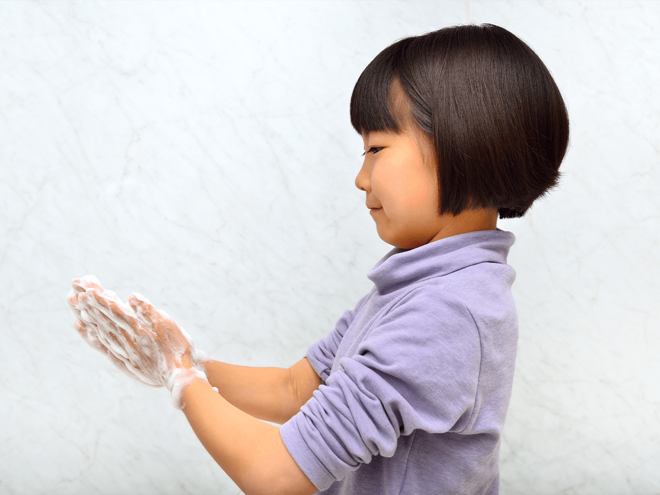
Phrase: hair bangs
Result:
[495,118]
[372,105]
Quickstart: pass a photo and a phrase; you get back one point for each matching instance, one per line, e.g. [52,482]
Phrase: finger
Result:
[86,282]
[89,332]
[121,314]
[90,339]
[169,337]
[72,298]
[110,342]
[133,372]
[110,294]
[84,307]
[121,329]
[117,309]
[91,335]
[139,350]
[140,357]
[135,333]
[82,300]
[144,310]
[77,285]
[91,282]
[72,301]
[108,333]
[82,329]
[136,366]
[172,339]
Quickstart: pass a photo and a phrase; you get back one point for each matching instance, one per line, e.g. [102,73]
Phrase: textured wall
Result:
[201,153]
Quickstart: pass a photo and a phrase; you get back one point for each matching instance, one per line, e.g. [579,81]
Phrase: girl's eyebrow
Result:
[378,135]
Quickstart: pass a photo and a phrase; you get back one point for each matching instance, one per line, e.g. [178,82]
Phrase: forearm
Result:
[265,393]
[250,451]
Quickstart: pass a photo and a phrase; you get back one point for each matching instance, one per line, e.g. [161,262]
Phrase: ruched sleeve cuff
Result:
[313,468]
[320,367]
[417,369]
[321,354]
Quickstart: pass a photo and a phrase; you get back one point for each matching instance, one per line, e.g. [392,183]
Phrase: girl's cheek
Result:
[376,187]
[421,194]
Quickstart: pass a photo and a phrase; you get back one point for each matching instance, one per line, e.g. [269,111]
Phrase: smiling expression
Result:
[399,177]
[402,191]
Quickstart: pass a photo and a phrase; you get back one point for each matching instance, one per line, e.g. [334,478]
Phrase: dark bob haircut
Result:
[494,115]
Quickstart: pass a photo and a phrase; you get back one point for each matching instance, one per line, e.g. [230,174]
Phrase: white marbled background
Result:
[201,153]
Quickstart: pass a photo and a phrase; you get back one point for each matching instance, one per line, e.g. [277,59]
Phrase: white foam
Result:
[155,360]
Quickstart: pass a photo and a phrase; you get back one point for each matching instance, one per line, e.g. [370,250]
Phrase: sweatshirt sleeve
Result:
[418,369]
[321,354]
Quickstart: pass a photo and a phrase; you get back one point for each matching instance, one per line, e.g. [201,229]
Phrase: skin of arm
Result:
[250,451]
[270,394]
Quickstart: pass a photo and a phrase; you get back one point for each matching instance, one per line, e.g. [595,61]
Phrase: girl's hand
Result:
[146,340]
[89,330]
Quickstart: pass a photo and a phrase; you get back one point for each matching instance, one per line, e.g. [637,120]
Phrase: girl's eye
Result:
[375,150]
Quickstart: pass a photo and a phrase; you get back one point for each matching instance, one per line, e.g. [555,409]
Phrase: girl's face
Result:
[402,192]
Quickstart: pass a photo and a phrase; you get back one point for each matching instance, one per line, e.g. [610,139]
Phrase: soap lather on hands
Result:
[140,340]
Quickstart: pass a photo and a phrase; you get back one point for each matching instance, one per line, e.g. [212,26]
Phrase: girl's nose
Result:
[362,179]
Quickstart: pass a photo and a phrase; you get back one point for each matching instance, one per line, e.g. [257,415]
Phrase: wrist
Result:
[180,379]
[201,359]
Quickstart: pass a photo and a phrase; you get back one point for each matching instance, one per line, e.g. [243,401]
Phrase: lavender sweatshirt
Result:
[417,378]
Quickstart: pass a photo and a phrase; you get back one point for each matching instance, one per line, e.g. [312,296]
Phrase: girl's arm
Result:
[250,451]
[271,394]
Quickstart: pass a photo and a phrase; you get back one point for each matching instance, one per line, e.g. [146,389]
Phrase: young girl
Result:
[409,393]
